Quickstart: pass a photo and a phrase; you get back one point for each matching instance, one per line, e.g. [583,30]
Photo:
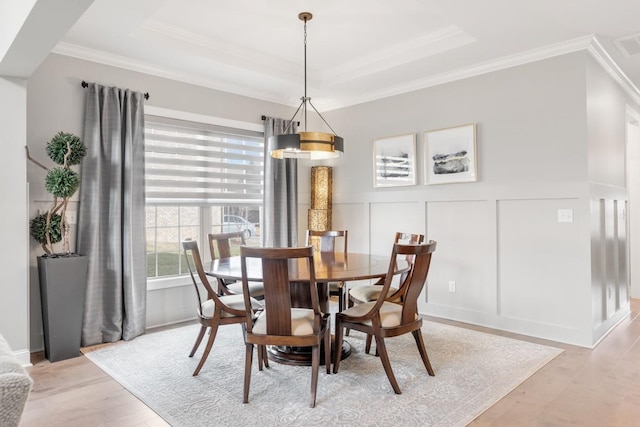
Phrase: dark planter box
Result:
[63,286]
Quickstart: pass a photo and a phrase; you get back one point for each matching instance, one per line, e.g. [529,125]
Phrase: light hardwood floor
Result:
[581,387]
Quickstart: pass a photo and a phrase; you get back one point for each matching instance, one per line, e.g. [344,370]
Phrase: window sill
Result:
[168,282]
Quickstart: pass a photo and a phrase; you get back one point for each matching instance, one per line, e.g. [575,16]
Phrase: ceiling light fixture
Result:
[306,145]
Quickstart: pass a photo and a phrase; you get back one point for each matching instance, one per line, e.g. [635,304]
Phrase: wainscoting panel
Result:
[353,217]
[609,261]
[622,291]
[388,218]
[465,255]
[540,262]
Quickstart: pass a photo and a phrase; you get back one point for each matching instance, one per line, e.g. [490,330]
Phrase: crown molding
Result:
[604,59]
[101,57]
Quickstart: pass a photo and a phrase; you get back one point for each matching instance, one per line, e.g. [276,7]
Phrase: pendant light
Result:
[306,145]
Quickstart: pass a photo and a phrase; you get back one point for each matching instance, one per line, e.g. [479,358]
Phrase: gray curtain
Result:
[280,220]
[111,219]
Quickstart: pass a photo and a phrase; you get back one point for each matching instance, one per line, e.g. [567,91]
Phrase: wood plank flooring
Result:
[581,387]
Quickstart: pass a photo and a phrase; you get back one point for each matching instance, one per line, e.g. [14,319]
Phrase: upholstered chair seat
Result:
[301,322]
[256,289]
[390,313]
[368,293]
[232,301]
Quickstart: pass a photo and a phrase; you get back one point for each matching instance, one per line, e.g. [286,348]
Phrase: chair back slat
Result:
[277,300]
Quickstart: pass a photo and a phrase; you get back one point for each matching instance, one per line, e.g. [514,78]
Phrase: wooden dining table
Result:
[329,267]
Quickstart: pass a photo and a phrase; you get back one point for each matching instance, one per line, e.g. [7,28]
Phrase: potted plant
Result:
[62,275]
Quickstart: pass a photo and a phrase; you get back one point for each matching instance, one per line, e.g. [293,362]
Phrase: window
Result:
[167,226]
[200,178]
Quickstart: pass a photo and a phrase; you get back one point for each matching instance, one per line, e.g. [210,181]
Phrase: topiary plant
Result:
[50,227]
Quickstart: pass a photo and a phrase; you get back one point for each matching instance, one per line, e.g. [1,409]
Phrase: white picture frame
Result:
[394,161]
[450,155]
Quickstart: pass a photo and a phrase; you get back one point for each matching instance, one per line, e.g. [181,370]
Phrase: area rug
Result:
[473,371]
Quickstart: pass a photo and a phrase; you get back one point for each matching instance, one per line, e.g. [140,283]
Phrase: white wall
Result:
[14,312]
[633,185]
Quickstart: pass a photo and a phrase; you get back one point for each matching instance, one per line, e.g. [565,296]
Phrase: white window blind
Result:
[196,163]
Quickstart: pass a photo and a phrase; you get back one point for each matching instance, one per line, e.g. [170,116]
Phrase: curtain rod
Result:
[146,94]
[265,118]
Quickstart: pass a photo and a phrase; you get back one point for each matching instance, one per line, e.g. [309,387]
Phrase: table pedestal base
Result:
[301,356]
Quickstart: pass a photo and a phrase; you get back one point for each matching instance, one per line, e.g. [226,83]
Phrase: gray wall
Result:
[545,142]
[539,135]
[55,102]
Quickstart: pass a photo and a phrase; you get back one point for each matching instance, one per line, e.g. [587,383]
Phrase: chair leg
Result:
[327,346]
[203,329]
[338,346]
[248,359]
[423,351]
[349,305]
[384,357]
[315,366]
[341,298]
[265,356]
[207,349]
[260,357]
[367,346]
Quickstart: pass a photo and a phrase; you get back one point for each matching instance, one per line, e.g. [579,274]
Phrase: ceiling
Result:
[357,50]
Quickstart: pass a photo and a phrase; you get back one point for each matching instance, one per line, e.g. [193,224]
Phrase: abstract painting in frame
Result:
[450,155]
[394,161]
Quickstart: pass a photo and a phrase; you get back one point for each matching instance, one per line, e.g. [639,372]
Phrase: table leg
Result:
[301,356]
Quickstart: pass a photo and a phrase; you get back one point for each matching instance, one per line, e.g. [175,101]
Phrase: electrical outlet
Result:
[565,215]
[452,285]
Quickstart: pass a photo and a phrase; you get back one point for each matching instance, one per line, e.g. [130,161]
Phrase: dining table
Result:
[329,267]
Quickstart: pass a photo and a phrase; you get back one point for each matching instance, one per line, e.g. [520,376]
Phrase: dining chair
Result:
[225,245]
[328,241]
[366,293]
[280,324]
[384,319]
[215,310]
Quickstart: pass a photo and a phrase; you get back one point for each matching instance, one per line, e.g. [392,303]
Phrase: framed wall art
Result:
[450,155]
[394,161]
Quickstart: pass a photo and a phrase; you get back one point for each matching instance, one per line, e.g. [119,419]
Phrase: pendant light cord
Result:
[303,105]
[305,99]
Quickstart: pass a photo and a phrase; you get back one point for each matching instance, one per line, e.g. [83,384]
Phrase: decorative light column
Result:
[319,217]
